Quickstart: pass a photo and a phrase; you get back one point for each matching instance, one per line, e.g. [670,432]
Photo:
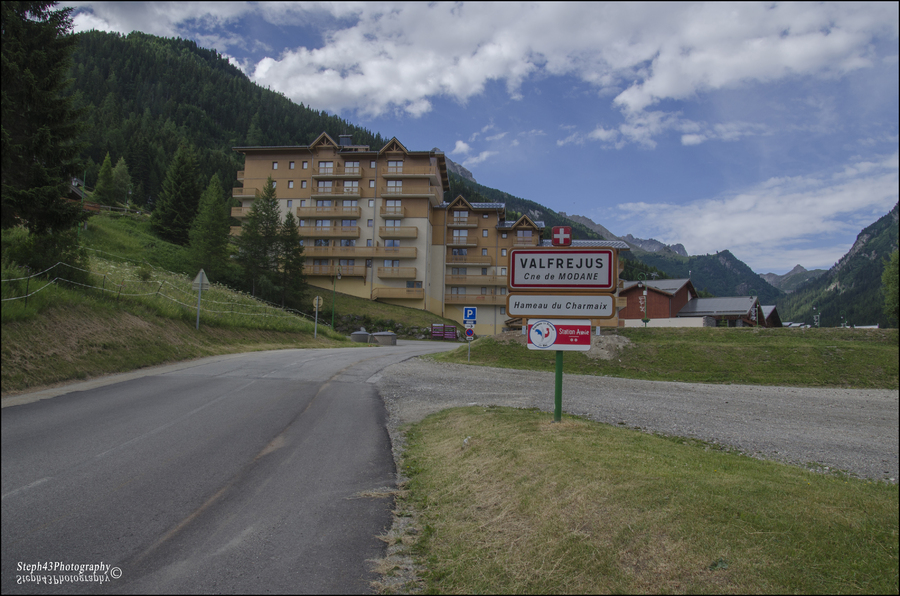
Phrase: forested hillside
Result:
[146,95]
[852,288]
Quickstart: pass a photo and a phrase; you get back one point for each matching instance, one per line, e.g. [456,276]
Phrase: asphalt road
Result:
[253,473]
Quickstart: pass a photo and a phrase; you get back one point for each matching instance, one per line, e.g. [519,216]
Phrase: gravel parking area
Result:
[855,431]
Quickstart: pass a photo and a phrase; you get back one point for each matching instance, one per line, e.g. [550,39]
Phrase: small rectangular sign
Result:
[595,306]
[562,269]
[559,334]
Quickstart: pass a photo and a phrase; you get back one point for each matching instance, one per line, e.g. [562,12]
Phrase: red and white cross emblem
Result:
[562,236]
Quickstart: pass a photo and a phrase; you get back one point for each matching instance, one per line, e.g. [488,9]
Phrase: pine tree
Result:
[121,182]
[291,261]
[259,241]
[209,232]
[104,192]
[179,199]
[39,123]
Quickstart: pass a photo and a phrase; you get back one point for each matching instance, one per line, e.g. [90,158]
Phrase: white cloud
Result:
[380,58]
[780,220]
[461,147]
[478,158]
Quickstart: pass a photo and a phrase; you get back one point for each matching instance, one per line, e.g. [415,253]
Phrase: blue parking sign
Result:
[469,313]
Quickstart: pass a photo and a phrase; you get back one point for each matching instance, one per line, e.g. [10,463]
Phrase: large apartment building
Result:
[376,224]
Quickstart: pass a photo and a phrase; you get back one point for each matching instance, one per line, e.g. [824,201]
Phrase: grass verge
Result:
[511,503]
[852,358]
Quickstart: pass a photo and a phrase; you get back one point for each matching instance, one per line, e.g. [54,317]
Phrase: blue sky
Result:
[767,129]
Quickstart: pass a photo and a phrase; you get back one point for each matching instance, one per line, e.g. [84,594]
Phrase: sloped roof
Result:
[592,243]
[715,307]
[668,286]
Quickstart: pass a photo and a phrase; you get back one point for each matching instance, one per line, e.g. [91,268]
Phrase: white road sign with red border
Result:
[572,269]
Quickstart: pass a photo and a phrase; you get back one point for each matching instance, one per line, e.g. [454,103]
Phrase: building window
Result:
[290,165]
[484,270]
[290,203]
[303,184]
[484,252]
[485,216]
[372,164]
[348,223]
[303,202]
[503,291]
[323,203]
[326,167]
[392,243]
[395,167]
[323,223]
[372,202]
[370,223]
[290,184]
[390,263]
[460,252]
[483,291]
[371,184]
[321,242]
[351,203]
[351,167]
[484,233]
[502,270]
[274,183]
[457,291]
[369,242]
[503,235]
[394,186]
[503,250]
[324,186]
[458,271]
[347,262]
[351,187]
[274,165]
[305,165]
[348,242]
[503,310]
[413,284]
[392,223]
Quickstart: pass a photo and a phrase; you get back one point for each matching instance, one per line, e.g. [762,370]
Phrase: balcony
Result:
[520,242]
[398,172]
[397,272]
[462,241]
[483,260]
[327,211]
[243,193]
[329,232]
[235,230]
[398,232]
[240,212]
[337,172]
[393,212]
[240,175]
[395,252]
[412,193]
[399,293]
[335,191]
[332,270]
[474,299]
[476,280]
[462,222]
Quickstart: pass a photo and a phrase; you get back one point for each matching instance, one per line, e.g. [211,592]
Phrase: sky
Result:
[770,129]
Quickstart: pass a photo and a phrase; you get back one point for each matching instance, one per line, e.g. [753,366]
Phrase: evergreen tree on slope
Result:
[209,232]
[180,197]
[39,124]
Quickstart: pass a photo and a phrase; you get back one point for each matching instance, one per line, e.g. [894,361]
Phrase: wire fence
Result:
[175,292]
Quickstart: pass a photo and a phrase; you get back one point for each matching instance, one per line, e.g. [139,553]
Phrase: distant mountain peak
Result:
[457,169]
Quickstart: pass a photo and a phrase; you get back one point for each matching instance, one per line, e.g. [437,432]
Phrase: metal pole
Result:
[557,412]
[316,328]
[199,293]
[333,282]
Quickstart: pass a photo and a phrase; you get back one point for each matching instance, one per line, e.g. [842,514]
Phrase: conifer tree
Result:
[121,182]
[259,241]
[291,261]
[104,192]
[178,201]
[890,281]
[209,232]
[39,123]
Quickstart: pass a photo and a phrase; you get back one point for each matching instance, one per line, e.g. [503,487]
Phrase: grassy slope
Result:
[854,358]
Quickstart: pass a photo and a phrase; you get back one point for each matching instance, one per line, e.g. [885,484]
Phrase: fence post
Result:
[27,284]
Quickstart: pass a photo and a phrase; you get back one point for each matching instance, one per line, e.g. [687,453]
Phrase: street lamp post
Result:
[642,286]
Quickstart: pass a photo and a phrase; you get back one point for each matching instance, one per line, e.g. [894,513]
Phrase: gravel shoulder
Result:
[851,430]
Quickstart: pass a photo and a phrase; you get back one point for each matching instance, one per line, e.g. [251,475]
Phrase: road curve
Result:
[260,472]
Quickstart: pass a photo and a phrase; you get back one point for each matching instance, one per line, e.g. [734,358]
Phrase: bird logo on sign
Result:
[562,236]
[543,334]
